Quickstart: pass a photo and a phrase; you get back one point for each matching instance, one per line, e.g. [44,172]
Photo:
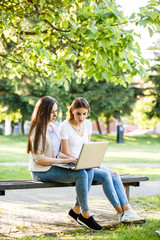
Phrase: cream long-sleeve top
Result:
[48,151]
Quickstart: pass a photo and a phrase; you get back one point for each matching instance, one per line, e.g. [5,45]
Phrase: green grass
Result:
[143,148]
[148,203]
[122,232]
[135,149]
[14,173]
[116,232]
[21,172]
[13,148]
[152,173]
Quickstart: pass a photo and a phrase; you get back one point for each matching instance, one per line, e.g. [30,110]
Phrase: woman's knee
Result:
[90,173]
[102,175]
[116,177]
[115,173]
[82,174]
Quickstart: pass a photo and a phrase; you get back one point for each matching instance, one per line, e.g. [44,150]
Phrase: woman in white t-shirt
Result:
[76,131]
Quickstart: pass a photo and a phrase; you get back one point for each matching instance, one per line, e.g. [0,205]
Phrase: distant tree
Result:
[139,115]
[106,99]
[22,98]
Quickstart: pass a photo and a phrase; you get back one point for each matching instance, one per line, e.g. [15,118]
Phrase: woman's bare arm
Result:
[47,161]
[89,138]
[65,148]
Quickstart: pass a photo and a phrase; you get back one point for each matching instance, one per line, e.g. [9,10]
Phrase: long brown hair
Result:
[78,103]
[39,120]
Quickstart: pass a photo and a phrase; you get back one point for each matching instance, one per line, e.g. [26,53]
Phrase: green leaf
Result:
[114,79]
[3,16]
[132,16]
[66,2]
[142,22]
[42,3]
[142,71]
[34,2]
[6,25]
[150,31]
[64,24]
[154,2]
[86,3]
[128,66]
[96,7]
[116,12]
[73,24]
[104,43]
[44,52]
[105,75]
[130,57]
[93,28]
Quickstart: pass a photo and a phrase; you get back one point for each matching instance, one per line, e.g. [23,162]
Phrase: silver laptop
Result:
[91,156]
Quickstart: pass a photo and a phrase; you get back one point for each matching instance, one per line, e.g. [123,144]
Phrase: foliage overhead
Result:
[63,39]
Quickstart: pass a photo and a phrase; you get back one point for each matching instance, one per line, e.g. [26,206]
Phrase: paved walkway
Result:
[41,211]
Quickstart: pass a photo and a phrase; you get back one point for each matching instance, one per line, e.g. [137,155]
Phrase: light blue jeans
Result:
[112,186]
[82,178]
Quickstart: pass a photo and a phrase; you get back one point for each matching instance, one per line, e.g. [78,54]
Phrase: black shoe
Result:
[89,223]
[74,216]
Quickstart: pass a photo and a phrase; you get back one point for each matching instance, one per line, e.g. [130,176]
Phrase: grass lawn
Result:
[148,206]
[143,148]
[13,148]
[14,173]
[135,149]
[21,172]
[152,173]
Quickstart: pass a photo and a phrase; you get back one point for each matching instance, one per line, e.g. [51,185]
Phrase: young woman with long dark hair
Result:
[44,148]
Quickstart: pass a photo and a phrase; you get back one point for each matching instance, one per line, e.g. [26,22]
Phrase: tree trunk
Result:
[12,127]
[22,126]
[107,123]
[98,126]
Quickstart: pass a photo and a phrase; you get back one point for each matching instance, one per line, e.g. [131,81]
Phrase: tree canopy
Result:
[64,39]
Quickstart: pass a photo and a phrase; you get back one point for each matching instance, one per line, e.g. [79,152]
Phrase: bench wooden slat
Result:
[27,184]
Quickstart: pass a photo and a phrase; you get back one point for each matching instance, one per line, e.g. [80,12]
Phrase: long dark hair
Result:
[78,103]
[39,120]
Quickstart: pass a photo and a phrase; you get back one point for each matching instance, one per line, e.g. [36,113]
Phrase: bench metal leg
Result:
[2,192]
[127,188]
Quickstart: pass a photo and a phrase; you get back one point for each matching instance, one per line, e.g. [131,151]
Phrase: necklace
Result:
[78,129]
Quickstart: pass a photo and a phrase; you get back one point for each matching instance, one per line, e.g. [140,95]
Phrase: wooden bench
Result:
[128,180]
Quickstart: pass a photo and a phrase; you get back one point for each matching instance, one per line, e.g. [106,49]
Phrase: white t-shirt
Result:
[75,141]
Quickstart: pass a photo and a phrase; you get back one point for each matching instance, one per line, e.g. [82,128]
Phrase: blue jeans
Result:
[83,179]
[112,186]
